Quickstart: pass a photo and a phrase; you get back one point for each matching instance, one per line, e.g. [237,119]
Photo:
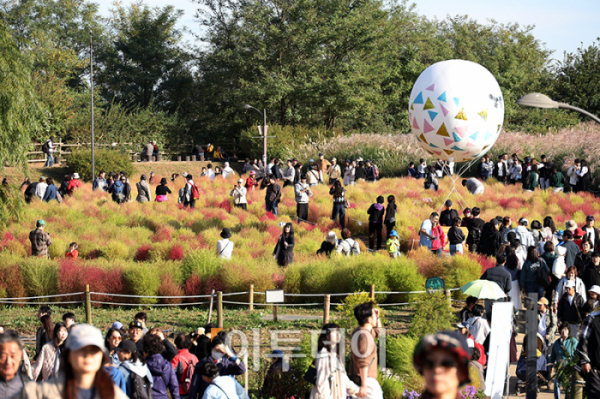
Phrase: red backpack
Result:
[195,192]
[186,377]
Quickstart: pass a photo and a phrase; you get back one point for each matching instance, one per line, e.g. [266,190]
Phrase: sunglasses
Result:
[446,363]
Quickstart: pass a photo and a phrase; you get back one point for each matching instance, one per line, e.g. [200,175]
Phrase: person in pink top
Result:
[439,239]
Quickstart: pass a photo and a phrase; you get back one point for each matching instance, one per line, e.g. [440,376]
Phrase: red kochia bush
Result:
[176,253]
[193,286]
[213,283]
[7,237]
[168,287]
[12,281]
[73,277]
[143,253]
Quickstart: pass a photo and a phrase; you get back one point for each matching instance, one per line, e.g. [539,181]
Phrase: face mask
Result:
[216,355]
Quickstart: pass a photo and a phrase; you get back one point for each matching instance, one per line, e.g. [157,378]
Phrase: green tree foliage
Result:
[577,79]
[106,160]
[433,314]
[144,61]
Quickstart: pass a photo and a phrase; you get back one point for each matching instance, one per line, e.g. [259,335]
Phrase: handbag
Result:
[311,374]
[346,204]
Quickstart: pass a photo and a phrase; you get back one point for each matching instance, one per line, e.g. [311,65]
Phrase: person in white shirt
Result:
[220,387]
[303,193]
[40,189]
[239,195]
[348,246]
[289,174]
[50,161]
[210,173]
[572,173]
[473,185]
[515,171]
[227,171]
[478,325]
[225,246]
[349,173]
[188,192]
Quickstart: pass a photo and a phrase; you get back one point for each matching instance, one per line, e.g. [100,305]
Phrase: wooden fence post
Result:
[219,309]
[88,305]
[251,297]
[326,309]
[373,292]
[449,297]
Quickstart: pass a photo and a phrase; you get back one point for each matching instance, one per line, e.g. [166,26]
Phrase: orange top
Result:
[72,254]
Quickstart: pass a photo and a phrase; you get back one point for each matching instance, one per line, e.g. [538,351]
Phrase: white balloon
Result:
[456,110]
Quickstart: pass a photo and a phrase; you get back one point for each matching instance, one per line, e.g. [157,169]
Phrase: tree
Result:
[144,61]
[577,79]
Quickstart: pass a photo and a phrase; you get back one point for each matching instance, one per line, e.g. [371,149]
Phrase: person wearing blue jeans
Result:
[562,351]
[339,203]
[456,237]
[50,160]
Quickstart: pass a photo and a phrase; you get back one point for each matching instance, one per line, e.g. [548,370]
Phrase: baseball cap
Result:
[40,223]
[82,335]
[543,301]
[524,221]
[394,233]
[136,324]
[117,324]
[495,222]
[589,218]
[311,160]
[570,284]
[460,325]
[127,345]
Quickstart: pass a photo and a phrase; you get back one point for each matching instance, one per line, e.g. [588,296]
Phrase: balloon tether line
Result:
[459,197]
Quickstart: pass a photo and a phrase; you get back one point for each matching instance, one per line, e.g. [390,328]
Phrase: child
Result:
[411,170]
[422,170]
[72,252]
[393,245]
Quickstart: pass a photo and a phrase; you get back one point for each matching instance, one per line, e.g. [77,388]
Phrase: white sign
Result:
[499,355]
[274,296]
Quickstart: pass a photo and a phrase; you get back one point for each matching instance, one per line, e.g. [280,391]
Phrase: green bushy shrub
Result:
[203,262]
[391,387]
[371,270]
[293,282]
[114,250]
[348,321]
[403,275]
[461,270]
[398,354]
[80,161]
[433,314]
[330,276]
[40,276]
[143,279]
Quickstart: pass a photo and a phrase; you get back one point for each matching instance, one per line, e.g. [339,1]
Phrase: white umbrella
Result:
[483,289]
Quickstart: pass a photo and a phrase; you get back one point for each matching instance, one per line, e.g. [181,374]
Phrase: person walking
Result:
[74,184]
[182,362]
[143,190]
[588,350]
[48,362]
[48,148]
[393,244]
[563,349]
[360,172]
[239,195]
[323,165]
[570,308]
[220,386]
[13,360]
[529,273]
[165,380]
[284,250]
[225,246]
[475,228]
[302,193]
[532,180]
[390,214]
[498,275]
[100,182]
[376,212]
[339,203]
[227,171]
[40,240]
[162,191]
[272,196]
[312,175]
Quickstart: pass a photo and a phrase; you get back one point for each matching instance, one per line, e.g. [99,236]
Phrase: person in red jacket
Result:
[74,183]
[464,330]
[439,239]
[72,252]
[182,362]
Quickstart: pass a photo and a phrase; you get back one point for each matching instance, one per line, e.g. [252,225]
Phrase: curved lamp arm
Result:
[584,112]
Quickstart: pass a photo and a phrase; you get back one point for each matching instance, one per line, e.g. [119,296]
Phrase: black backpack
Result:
[543,278]
[45,148]
[475,235]
[140,387]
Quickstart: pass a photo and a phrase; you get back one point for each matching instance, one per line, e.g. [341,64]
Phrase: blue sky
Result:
[562,25]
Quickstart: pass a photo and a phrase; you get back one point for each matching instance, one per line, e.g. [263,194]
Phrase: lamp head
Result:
[537,100]
[246,106]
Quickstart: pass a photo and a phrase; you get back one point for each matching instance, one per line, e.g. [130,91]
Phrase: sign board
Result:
[435,285]
[499,355]
[274,296]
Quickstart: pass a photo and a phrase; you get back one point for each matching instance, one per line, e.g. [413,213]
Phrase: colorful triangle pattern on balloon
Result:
[419,99]
[412,106]
[456,137]
[442,131]
[430,152]
[449,152]
[488,135]
[469,144]
[474,136]
[483,114]
[431,88]
[422,138]
[438,153]
[457,148]
[444,110]
[433,145]
[499,128]
[456,101]
[428,104]
[427,127]
[415,124]
[442,97]
[461,115]
[432,115]
[461,130]
[447,142]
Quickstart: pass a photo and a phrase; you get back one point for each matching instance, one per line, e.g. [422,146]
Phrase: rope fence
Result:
[91,298]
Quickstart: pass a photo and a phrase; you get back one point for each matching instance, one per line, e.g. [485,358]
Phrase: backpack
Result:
[475,235]
[140,387]
[376,171]
[195,192]
[543,279]
[118,187]
[45,148]
[185,382]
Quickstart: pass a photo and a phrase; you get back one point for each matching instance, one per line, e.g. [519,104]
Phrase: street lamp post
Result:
[264,132]
[92,104]
[538,100]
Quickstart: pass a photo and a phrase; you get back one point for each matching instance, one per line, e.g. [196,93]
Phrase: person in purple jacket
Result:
[376,212]
[161,370]
[224,358]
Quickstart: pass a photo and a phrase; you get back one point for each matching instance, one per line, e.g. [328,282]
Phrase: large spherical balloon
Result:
[456,110]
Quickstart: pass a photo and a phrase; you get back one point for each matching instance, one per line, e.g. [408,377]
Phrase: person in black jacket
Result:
[570,308]
[498,275]
[376,212]
[456,237]
[491,239]
[361,172]
[591,233]
[584,258]
[284,250]
[591,275]
[588,351]
[474,226]
[390,214]
[329,245]
[448,215]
